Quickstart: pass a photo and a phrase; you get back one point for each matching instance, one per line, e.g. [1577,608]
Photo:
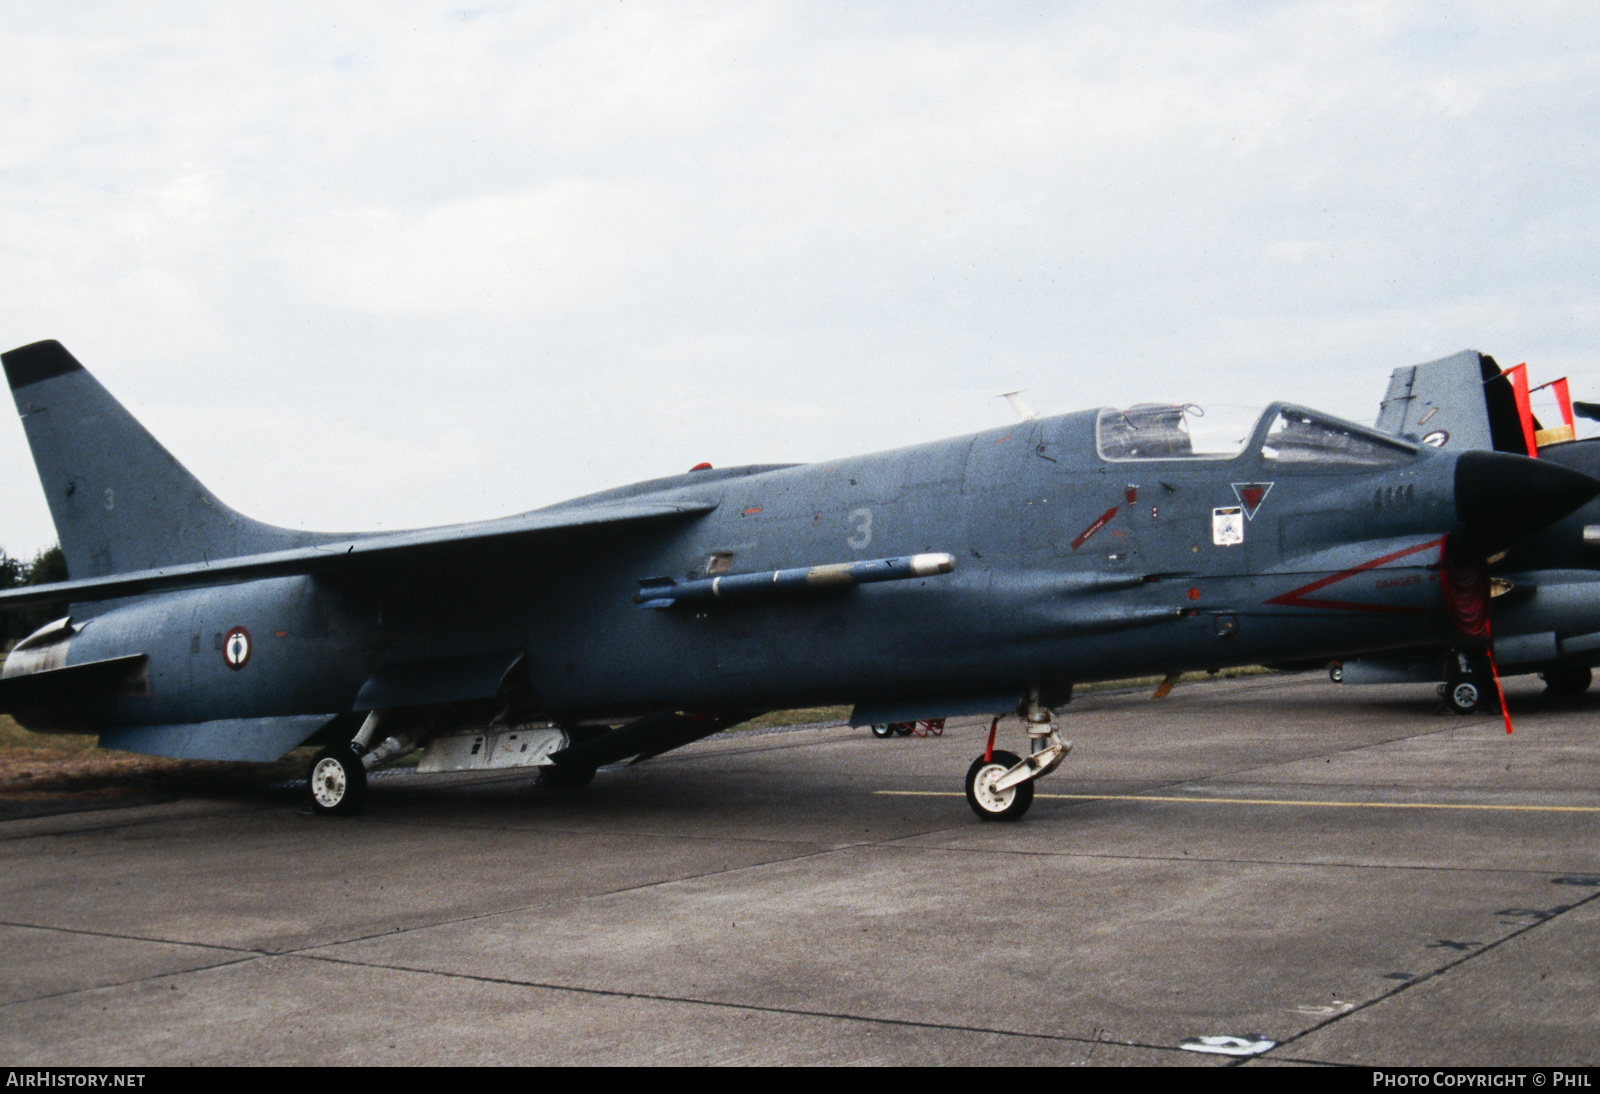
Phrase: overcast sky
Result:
[386,265]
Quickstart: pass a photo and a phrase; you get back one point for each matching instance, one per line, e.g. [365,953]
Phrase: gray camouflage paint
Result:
[544,603]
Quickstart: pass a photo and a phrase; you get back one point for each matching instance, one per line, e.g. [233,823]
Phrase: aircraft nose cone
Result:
[1501,498]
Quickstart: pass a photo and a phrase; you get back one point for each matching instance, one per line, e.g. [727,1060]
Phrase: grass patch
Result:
[803,716]
[31,763]
[14,736]
[1186,678]
[807,715]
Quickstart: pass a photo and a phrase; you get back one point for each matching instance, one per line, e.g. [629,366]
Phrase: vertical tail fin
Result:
[120,501]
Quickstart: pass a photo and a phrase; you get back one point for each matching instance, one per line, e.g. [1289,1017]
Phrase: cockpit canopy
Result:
[1151,431]
[1287,435]
[1303,436]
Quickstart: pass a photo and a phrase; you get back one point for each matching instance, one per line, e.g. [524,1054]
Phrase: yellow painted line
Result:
[1266,801]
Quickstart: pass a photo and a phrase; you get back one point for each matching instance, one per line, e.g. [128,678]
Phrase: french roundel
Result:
[236,648]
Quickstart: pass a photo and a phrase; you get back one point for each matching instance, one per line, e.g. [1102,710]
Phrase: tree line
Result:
[47,566]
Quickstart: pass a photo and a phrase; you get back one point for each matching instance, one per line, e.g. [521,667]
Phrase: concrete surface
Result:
[819,896]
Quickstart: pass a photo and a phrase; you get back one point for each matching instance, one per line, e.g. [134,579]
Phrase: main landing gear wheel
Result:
[990,804]
[1463,696]
[337,782]
[566,776]
[1568,680]
[883,732]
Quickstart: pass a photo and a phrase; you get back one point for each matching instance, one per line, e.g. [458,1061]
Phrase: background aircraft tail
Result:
[1459,402]
[120,501]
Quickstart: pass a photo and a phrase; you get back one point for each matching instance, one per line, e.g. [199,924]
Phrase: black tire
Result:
[883,732]
[902,729]
[1567,681]
[1464,696]
[1336,673]
[1012,804]
[566,776]
[336,783]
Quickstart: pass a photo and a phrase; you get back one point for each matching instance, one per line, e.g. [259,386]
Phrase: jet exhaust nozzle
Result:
[1501,498]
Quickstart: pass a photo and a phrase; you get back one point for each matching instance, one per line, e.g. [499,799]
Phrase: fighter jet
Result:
[981,575]
[1545,591]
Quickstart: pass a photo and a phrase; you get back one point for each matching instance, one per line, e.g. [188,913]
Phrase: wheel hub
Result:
[992,800]
[328,782]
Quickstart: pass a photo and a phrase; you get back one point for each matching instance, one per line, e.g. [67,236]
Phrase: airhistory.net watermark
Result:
[51,1078]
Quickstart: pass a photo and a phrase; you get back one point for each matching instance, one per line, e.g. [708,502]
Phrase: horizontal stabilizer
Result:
[92,680]
[258,740]
[342,555]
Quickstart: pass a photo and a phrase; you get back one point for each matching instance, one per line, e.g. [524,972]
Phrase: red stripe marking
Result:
[988,752]
[1494,670]
[1296,598]
[1105,518]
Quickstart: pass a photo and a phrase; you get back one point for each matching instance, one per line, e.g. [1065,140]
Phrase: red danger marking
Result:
[1297,598]
[752,510]
[236,648]
[1105,519]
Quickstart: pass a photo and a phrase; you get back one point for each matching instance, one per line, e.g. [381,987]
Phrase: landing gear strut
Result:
[1000,784]
[337,782]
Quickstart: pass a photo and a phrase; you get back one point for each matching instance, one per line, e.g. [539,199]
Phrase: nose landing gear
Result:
[1462,695]
[1000,784]
[1469,683]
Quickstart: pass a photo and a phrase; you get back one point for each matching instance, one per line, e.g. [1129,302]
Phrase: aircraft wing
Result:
[343,554]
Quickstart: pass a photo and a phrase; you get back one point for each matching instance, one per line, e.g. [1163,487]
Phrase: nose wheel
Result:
[1463,696]
[1000,784]
[989,802]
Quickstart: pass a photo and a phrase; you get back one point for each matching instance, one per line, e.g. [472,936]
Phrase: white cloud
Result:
[550,248]
[431,264]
